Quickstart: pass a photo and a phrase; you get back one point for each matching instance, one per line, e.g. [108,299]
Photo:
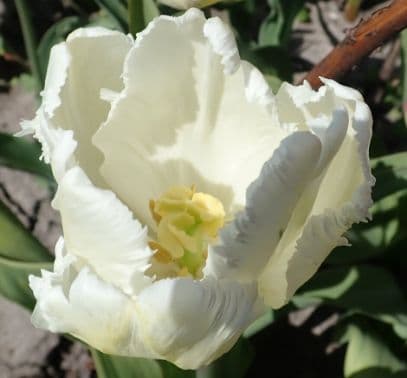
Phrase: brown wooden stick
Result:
[360,42]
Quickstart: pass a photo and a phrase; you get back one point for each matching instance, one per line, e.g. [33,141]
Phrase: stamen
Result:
[187,222]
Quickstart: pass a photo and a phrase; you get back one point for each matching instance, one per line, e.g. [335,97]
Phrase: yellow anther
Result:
[186,222]
[161,254]
[156,217]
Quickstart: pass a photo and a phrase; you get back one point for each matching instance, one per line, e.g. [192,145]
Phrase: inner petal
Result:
[181,120]
[95,58]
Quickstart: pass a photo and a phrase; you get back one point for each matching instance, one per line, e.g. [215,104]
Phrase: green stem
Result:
[136,16]
[210,371]
[29,40]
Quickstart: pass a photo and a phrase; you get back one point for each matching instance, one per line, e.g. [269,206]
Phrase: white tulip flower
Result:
[191,197]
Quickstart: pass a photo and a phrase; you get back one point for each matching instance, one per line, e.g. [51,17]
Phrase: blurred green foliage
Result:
[109,366]
[363,288]
[20,255]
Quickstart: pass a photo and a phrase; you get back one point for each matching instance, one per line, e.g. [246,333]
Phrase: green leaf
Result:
[2,47]
[360,289]
[379,373]
[246,17]
[391,174]
[25,81]
[18,153]
[364,288]
[150,10]
[16,242]
[233,364]
[389,218]
[369,356]
[273,62]
[136,16]
[14,280]
[276,28]
[259,324]
[55,34]
[104,19]
[30,40]
[123,367]
[141,12]
[171,371]
[117,10]
[387,230]
[20,255]
[274,82]
[108,366]
[403,39]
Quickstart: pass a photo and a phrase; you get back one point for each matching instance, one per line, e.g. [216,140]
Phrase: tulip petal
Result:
[247,243]
[223,43]
[90,60]
[58,145]
[190,113]
[181,320]
[74,300]
[341,196]
[191,323]
[101,230]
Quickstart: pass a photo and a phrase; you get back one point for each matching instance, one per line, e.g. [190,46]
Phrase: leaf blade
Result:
[18,153]
[14,280]
[16,242]
[122,367]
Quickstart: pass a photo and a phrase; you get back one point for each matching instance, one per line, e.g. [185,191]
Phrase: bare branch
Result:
[360,42]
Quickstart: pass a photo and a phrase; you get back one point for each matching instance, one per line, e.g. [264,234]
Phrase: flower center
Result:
[187,222]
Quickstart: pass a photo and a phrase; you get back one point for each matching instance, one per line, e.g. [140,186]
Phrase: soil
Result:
[24,350]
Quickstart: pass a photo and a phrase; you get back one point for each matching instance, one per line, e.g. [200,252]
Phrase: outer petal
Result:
[248,242]
[190,113]
[191,323]
[91,59]
[101,230]
[58,145]
[187,322]
[73,300]
[341,197]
